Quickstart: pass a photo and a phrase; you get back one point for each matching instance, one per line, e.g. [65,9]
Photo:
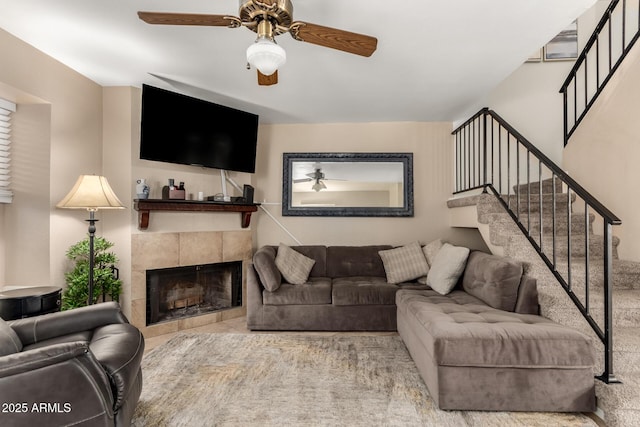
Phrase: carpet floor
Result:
[295,380]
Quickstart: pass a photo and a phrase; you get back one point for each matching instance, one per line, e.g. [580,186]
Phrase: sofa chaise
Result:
[477,349]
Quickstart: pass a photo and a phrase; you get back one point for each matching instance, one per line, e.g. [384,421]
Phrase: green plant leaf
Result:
[76,294]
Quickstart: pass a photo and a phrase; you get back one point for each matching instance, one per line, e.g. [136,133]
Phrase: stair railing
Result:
[491,155]
[611,41]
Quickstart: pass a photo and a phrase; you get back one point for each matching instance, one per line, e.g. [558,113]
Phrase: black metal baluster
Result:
[518,178]
[492,155]
[598,62]
[610,41]
[500,158]
[553,221]
[473,154]
[586,81]
[608,376]
[575,102]
[484,156]
[540,201]
[529,193]
[569,236]
[624,23]
[586,255]
[509,170]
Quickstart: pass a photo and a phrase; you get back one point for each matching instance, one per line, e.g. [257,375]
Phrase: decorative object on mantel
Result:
[142,189]
[173,191]
[144,207]
[91,192]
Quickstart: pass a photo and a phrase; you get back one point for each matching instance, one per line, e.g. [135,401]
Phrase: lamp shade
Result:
[91,192]
[266,56]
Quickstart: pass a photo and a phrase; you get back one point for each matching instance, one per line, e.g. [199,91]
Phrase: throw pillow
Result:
[430,251]
[264,261]
[448,266]
[9,341]
[404,263]
[294,266]
[493,279]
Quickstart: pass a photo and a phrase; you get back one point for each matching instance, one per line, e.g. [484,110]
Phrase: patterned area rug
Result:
[295,380]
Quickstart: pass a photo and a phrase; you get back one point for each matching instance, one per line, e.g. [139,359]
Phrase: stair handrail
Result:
[472,167]
[582,64]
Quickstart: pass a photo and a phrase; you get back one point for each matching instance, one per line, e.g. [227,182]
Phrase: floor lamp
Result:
[91,192]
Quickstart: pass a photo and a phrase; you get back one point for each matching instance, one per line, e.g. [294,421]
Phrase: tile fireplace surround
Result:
[164,250]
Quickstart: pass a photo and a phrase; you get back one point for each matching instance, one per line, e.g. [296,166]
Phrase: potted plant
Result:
[105,279]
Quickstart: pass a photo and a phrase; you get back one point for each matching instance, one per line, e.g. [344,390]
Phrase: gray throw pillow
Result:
[448,266]
[493,279]
[430,251]
[264,261]
[293,266]
[404,263]
[9,341]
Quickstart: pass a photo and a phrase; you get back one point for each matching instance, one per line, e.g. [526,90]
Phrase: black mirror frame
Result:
[405,158]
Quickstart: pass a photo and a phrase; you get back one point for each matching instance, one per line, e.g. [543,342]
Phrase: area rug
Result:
[300,380]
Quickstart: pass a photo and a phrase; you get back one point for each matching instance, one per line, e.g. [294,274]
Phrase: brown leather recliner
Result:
[79,367]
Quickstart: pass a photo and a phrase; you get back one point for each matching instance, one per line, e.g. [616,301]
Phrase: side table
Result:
[27,302]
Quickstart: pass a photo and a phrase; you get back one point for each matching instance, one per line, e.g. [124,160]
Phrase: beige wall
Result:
[529,98]
[74,147]
[603,153]
[86,129]
[429,142]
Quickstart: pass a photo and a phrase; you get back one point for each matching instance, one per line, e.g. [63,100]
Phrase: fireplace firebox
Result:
[180,292]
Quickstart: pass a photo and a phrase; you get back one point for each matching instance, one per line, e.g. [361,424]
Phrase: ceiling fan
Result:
[318,176]
[270,18]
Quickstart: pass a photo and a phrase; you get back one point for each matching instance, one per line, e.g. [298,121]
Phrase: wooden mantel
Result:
[145,206]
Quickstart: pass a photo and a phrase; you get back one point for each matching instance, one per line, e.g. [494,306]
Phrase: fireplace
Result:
[181,292]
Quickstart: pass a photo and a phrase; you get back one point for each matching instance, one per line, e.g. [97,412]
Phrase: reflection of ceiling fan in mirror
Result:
[318,176]
[269,18]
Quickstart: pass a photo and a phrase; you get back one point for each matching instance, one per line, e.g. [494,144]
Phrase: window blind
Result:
[6,108]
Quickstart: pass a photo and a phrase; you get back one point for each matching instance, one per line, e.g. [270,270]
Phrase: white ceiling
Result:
[436,60]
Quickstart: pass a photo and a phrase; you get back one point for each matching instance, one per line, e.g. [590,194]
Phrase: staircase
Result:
[619,403]
[540,214]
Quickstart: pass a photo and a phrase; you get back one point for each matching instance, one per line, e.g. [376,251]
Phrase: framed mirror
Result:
[347,184]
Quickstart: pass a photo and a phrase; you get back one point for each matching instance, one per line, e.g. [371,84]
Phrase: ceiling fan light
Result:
[319,185]
[266,56]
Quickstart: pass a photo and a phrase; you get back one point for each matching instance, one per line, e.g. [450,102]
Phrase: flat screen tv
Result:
[176,128]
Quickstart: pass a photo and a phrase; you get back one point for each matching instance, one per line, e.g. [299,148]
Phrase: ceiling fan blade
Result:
[345,41]
[296,181]
[267,80]
[167,18]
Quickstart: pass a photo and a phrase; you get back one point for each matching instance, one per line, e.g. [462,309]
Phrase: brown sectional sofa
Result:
[482,346]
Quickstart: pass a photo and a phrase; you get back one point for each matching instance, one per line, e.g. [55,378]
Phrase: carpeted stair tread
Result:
[622,417]
[578,243]
[561,203]
[619,396]
[547,186]
[577,224]
[458,202]
[625,274]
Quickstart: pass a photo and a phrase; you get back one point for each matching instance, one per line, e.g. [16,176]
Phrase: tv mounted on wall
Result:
[177,128]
